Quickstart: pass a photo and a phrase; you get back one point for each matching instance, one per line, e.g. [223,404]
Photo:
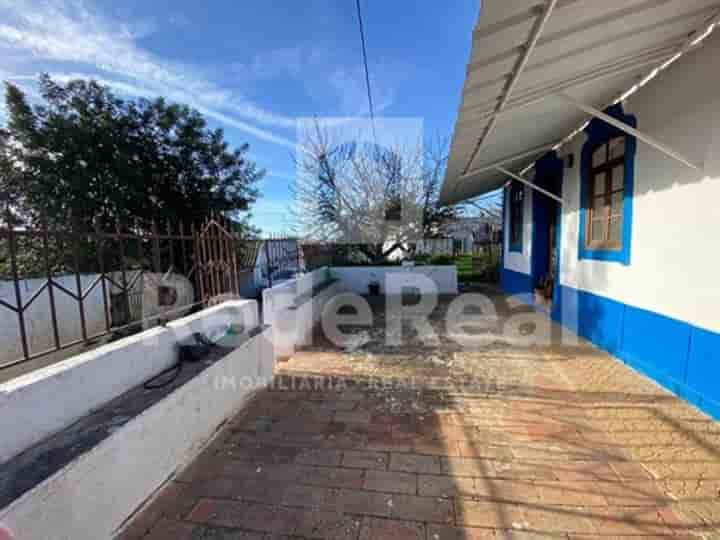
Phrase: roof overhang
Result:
[538,69]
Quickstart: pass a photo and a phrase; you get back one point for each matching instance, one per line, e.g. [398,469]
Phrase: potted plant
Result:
[539,292]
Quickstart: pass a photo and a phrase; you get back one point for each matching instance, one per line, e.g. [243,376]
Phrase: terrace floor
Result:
[439,442]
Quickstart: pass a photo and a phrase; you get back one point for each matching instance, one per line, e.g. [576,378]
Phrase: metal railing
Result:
[70,269]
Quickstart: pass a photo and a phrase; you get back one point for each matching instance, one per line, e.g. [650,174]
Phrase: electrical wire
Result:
[367,71]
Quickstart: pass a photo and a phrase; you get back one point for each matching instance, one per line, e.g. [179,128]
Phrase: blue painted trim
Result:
[681,357]
[599,132]
[557,297]
[515,282]
[505,232]
[548,175]
[516,247]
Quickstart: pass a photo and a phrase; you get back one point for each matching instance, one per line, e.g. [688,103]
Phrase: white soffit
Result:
[526,52]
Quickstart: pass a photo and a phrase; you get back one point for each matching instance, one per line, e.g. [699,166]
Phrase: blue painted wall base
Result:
[515,282]
[679,356]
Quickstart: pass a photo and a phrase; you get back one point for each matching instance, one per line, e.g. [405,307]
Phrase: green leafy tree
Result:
[87,157]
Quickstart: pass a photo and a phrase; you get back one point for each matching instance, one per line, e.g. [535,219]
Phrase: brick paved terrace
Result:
[437,442]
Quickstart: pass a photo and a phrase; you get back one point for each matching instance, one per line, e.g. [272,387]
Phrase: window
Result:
[605,196]
[607,171]
[517,208]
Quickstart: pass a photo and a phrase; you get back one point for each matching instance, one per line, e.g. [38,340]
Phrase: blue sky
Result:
[252,67]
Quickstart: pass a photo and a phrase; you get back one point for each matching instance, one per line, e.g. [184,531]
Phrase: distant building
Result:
[463,235]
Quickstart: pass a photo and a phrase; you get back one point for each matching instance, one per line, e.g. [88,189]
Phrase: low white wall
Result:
[93,496]
[38,404]
[291,314]
[392,279]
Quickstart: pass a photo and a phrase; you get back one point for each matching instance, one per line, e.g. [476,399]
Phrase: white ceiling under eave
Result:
[588,49]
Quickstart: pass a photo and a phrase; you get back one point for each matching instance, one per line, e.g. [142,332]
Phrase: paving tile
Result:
[524,470]
[436,447]
[219,533]
[391,482]
[446,486]
[517,491]
[415,463]
[219,512]
[369,503]
[449,532]
[355,417]
[459,466]
[133,531]
[232,514]
[631,521]
[319,456]
[327,525]
[428,509]
[304,496]
[482,450]
[391,529]
[636,493]
[168,529]
[630,471]
[548,519]
[385,442]
[365,460]
[570,493]
[331,477]
[488,514]
[585,471]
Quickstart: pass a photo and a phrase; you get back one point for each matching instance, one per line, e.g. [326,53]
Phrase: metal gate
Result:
[217,263]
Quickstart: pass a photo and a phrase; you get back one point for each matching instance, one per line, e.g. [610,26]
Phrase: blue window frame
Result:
[517,216]
[607,173]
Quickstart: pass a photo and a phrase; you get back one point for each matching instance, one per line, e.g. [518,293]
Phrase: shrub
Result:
[442,260]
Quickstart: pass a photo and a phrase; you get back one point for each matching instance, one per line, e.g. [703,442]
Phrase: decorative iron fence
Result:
[60,287]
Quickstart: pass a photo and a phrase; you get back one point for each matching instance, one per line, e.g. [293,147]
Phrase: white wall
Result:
[291,315]
[38,323]
[515,260]
[38,317]
[91,497]
[674,256]
[357,278]
[46,400]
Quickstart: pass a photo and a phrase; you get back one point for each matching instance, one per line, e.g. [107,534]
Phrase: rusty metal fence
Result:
[131,278]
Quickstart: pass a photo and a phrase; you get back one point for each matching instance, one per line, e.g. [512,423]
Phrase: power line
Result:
[365,63]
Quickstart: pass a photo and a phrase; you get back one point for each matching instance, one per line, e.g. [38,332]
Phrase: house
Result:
[468,231]
[600,123]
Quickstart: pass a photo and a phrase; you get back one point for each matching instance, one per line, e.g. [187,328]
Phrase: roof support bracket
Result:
[629,130]
[509,159]
[529,183]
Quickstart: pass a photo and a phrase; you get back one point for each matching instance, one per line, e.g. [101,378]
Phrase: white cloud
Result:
[69,33]
[350,85]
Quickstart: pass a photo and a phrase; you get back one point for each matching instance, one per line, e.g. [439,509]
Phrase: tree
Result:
[87,157]
[378,199]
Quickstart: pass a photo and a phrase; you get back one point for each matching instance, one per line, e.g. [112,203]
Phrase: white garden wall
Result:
[292,312]
[134,461]
[46,400]
[430,279]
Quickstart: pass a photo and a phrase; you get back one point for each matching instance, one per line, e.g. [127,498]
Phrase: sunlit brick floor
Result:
[485,442]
